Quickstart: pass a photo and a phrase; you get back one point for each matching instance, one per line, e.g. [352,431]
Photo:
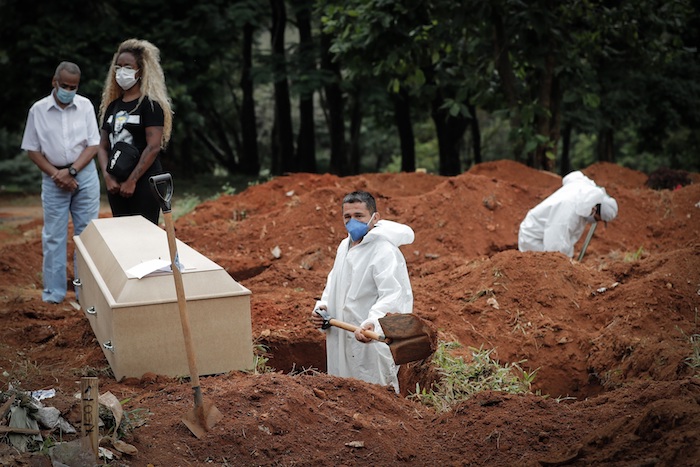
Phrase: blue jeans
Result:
[82,205]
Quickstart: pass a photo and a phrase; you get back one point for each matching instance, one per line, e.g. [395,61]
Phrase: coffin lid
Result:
[112,246]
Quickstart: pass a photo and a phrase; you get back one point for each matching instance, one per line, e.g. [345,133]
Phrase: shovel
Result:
[204,415]
[409,337]
[591,229]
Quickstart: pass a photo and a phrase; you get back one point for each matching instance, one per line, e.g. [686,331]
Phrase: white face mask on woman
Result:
[126,77]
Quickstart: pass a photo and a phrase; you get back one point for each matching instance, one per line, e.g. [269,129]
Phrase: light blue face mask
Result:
[357,229]
[65,97]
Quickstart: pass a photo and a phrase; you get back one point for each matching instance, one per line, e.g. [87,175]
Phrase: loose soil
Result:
[611,337]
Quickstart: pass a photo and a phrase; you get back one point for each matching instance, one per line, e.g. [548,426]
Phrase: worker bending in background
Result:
[557,223]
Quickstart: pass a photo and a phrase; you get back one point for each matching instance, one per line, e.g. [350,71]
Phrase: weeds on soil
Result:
[694,360]
[460,380]
[636,256]
[87,370]
[261,353]
[22,370]
[131,419]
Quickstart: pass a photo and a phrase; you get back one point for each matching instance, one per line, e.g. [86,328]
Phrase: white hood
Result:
[558,221]
[397,234]
[576,177]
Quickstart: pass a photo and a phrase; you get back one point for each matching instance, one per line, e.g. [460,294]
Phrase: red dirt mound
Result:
[611,338]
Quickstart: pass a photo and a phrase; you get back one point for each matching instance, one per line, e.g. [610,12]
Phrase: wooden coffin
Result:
[137,321]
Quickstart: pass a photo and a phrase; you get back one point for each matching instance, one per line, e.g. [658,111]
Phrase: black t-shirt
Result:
[132,120]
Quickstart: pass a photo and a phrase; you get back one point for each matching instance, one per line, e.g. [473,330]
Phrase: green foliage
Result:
[633,257]
[460,380]
[47,443]
[20,175]
[630,67]
[21,370]
[262,356]
[131,419]
[185,204]
[693,361]
[17,172]
[427,152]
[104,372]
[583,150]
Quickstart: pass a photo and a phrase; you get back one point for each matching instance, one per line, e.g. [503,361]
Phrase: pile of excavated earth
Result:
[613,340]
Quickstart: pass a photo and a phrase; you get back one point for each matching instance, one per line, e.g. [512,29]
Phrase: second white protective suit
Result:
[557,223]
[367,281]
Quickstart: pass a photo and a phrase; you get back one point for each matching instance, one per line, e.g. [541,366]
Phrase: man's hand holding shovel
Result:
[409,337]
[316,319]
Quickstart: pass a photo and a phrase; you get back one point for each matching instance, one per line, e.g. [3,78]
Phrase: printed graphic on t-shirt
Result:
[120,133]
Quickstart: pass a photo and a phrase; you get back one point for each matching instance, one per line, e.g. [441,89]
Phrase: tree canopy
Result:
[370,85]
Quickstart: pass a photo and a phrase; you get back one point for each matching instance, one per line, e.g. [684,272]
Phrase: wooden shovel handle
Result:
[182,304]
[353,328]
[162,188]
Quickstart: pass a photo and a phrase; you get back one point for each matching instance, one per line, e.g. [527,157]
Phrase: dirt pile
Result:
[611,337]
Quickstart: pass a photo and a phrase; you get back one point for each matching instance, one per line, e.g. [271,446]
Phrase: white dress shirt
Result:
[61,134]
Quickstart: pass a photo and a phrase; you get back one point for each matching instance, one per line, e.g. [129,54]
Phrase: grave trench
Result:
[309,353]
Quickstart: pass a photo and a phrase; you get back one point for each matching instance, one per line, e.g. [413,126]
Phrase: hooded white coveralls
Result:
[558,222]
[367,281]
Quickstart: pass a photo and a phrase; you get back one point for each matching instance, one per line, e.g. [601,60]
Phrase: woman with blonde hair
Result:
[136,113]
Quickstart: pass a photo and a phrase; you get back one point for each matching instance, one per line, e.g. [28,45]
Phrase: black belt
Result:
[63,167]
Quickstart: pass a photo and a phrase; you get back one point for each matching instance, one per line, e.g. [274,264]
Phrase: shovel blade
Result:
[410,337]
[202,418]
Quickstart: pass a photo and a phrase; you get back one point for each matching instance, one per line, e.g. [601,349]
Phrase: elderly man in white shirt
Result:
[61,137]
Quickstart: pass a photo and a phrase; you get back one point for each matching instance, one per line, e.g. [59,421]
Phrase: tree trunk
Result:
[306,139]
[249,162]
[402,116]
[606,149]
[220,146]
[476,134]
[565,165]
[555,121]
[543,157]
[334,104]
[450,131]
[355,127]
[221,156]
[181,161]
[284,149]
[507,77]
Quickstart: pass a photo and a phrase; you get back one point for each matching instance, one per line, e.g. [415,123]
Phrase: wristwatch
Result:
[72,171]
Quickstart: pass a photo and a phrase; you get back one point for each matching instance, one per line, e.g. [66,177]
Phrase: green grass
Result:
[693,360]
[636,256]
[131,419]
[261,354]
[87,370]
[460,380]
[22,370]
[188,194]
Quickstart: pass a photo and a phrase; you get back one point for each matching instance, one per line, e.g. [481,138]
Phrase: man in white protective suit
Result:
[369,279]
[558,222]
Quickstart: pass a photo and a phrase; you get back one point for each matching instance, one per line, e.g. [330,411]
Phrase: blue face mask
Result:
[65,97]
[357,229]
